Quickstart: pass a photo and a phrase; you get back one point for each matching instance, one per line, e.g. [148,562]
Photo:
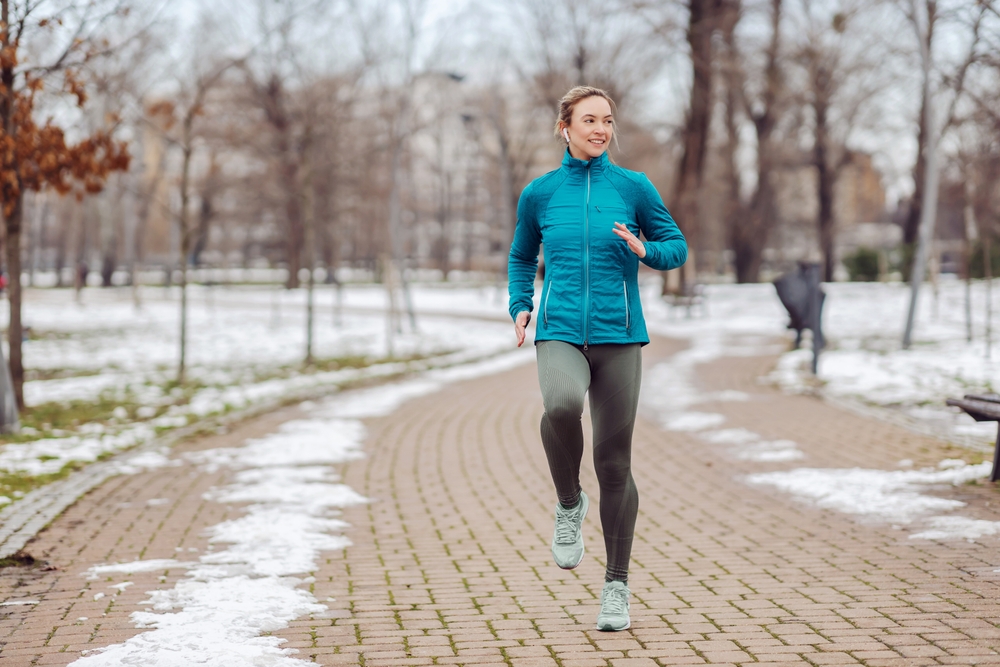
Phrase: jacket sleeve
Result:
[522,264]
[665,245]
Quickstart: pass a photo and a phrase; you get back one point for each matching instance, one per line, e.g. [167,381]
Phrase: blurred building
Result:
[858,209]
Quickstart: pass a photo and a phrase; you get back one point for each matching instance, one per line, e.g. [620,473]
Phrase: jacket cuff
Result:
[652,258]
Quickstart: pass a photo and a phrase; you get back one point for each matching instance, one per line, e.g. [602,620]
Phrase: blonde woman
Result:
[589,213]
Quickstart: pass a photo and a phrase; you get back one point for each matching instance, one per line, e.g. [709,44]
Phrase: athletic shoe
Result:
[567,542]
[614,607]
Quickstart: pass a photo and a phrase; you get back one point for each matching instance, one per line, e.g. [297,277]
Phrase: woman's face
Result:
[590,128]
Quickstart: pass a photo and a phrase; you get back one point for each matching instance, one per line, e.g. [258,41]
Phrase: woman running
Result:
[590,329]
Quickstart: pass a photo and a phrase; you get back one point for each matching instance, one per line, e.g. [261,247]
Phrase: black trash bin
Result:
[802,296]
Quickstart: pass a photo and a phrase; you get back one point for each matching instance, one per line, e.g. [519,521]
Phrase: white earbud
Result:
[566,134]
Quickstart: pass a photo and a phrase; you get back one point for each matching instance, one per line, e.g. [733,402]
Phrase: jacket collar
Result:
[599,162]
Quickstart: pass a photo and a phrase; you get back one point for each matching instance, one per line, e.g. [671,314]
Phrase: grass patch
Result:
[39,374]
[350,361]
[18,559]
[328,364]
[15,485]
[114,409]
[339,363]
[58,418]
[111,408]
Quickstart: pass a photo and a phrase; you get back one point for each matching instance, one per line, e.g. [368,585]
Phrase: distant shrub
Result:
[862,264]
[976,260]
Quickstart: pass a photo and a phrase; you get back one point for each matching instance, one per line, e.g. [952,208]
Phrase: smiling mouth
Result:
[597,142]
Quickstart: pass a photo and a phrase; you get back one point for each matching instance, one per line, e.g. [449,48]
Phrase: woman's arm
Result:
[665,245]
[522,264]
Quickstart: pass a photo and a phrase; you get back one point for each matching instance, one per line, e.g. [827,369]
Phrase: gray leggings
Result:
[612,375]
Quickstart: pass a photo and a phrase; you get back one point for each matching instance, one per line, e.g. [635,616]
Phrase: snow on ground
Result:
[863,362]
[224,609]
[891,496]
[234,333]
[246,341]
[741,321]
[863,323]
[244,346]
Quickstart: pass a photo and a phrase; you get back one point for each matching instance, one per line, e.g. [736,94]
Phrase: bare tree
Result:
[182,133]
[702,23]
[921,17]
[762,102]
[838,66]
[38,156]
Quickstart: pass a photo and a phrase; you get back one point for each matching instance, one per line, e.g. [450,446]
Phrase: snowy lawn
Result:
[101,373]
[864,360]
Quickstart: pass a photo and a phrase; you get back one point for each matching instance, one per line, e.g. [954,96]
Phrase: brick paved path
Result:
[451,564]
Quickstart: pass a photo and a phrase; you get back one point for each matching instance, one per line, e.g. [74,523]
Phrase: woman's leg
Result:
[614,397]
[563,375]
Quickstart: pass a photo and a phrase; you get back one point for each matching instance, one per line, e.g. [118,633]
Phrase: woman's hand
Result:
[520,324]
[634,244]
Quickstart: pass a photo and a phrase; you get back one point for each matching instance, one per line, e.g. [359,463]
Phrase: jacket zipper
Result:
[545,312]
[627,319]
[586,262]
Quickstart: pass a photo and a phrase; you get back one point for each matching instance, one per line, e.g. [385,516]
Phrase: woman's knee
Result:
[564,407]
[612,471]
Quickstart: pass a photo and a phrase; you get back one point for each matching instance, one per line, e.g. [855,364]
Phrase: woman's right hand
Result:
[520,324]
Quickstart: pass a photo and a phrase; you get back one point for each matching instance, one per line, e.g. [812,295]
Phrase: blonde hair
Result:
[572,98]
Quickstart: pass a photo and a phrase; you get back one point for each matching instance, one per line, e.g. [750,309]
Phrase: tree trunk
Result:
[109,216]
[293,212]
[749,227]
[14,331]
[185,246]
[508,200]
[61,241]
[695,137]
[12,222]
[443,249]
[309,217]
[911,226]
[736,221]
[928,204]
[825,177]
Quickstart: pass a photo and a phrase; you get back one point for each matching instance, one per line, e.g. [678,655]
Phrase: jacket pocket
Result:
[545,308]
[628,315]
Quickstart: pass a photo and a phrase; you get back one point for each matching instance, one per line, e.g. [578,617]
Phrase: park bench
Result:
[983,408]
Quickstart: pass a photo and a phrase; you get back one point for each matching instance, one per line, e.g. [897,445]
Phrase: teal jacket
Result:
[591,292]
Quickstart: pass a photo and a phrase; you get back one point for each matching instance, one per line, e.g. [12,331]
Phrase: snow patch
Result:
[730,436]
[957,528]
[773,451]
[692,421]
[749,446]
[894,496]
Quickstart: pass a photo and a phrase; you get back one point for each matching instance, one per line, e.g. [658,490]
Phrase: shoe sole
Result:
[583,553]
[609,628]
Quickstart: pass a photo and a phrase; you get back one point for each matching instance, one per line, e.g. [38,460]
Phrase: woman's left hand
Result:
[634,244]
